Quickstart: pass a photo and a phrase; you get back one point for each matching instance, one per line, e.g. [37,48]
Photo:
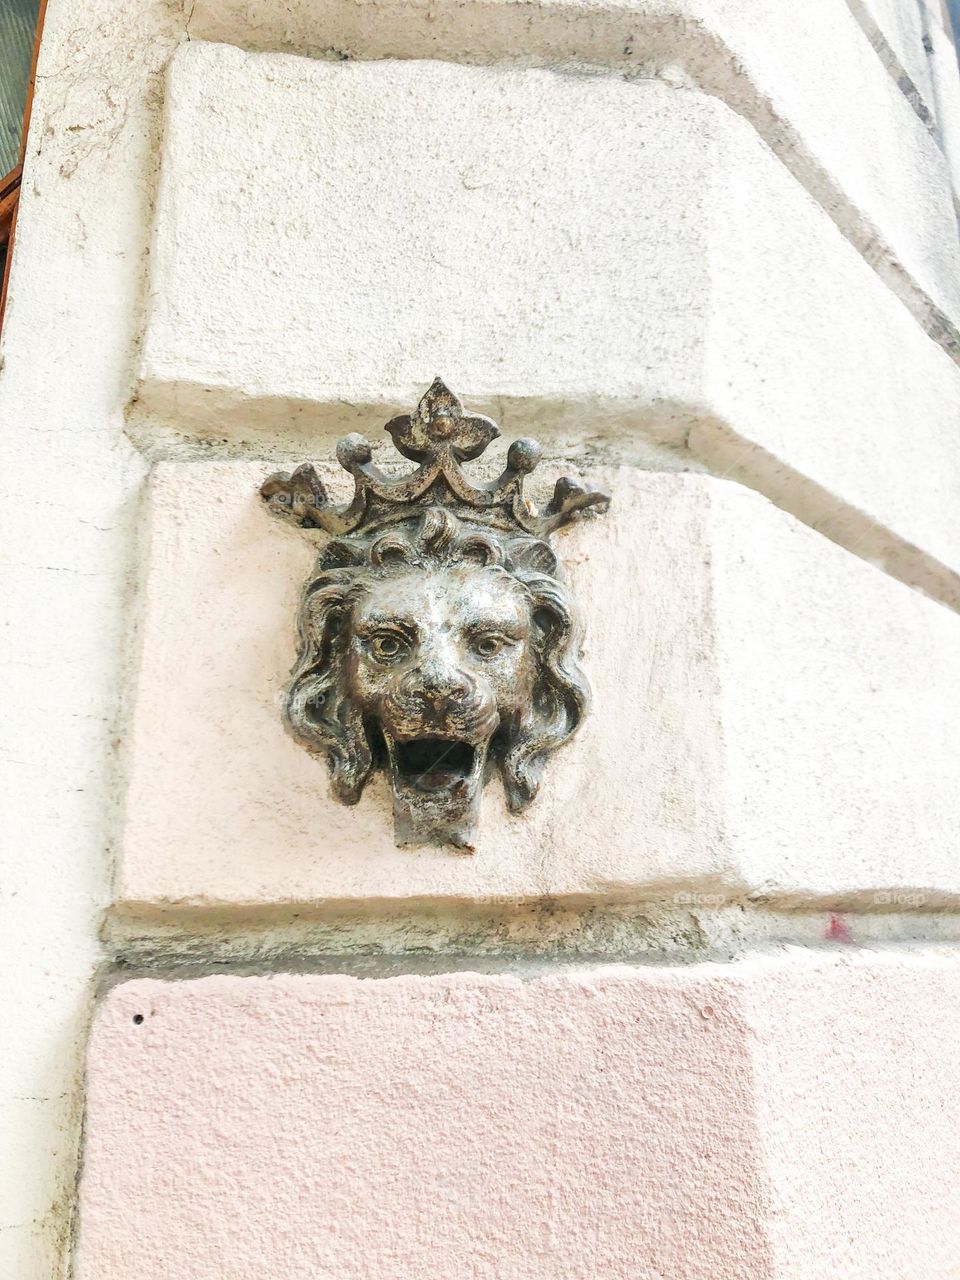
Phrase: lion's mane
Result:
[318,709]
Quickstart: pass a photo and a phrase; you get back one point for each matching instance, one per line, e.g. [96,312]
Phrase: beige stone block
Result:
[803,75]
[590,259]
[223,806]
[684,1122]
[771,716]
[838,688]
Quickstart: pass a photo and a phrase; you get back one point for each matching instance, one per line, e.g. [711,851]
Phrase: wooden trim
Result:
[10,186]
[9,195]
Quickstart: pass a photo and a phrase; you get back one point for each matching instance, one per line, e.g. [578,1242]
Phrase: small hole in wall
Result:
[137,1019]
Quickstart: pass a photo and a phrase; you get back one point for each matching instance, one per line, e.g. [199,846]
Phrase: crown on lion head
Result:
[439,436]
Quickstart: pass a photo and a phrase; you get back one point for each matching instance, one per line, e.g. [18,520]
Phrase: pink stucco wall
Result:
[462,1126]
[722,1122]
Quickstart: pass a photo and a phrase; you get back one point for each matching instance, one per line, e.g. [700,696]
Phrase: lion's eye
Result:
[489,645]
[386,646]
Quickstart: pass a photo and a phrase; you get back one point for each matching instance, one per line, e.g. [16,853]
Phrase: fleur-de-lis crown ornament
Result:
[439,436]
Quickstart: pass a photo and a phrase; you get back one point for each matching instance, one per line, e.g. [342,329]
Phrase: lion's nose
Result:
[438,685]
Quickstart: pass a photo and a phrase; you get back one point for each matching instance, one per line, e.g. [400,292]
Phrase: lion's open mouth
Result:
[434,764]
[436,784]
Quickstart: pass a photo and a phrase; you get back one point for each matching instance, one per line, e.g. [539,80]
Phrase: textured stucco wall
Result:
[705,252]
[738,1122]
[68,342]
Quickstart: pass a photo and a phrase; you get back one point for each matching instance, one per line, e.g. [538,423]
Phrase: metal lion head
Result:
[437,640]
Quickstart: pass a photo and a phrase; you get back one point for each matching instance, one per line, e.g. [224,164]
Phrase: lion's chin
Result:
[436,784]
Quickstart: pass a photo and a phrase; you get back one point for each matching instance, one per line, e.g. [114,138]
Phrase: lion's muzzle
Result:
[437,724]
[448,704]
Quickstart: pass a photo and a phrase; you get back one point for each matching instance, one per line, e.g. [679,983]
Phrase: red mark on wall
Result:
[837,930]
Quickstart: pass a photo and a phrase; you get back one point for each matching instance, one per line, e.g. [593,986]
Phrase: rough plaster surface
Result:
[855,1066]
[697,1122]
[771,715]
[838,689]
[581,256]
[803,75]
[896,31]
[71,323]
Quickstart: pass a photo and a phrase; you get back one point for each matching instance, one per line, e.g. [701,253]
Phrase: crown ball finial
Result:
[354,451]
[523,456]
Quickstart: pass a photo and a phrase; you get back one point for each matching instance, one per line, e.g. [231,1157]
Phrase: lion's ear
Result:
[560,693]
[317,710]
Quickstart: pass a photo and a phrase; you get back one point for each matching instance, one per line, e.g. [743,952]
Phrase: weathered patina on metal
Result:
[437,638]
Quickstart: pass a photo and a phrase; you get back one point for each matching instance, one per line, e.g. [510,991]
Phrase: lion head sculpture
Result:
[437,638]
